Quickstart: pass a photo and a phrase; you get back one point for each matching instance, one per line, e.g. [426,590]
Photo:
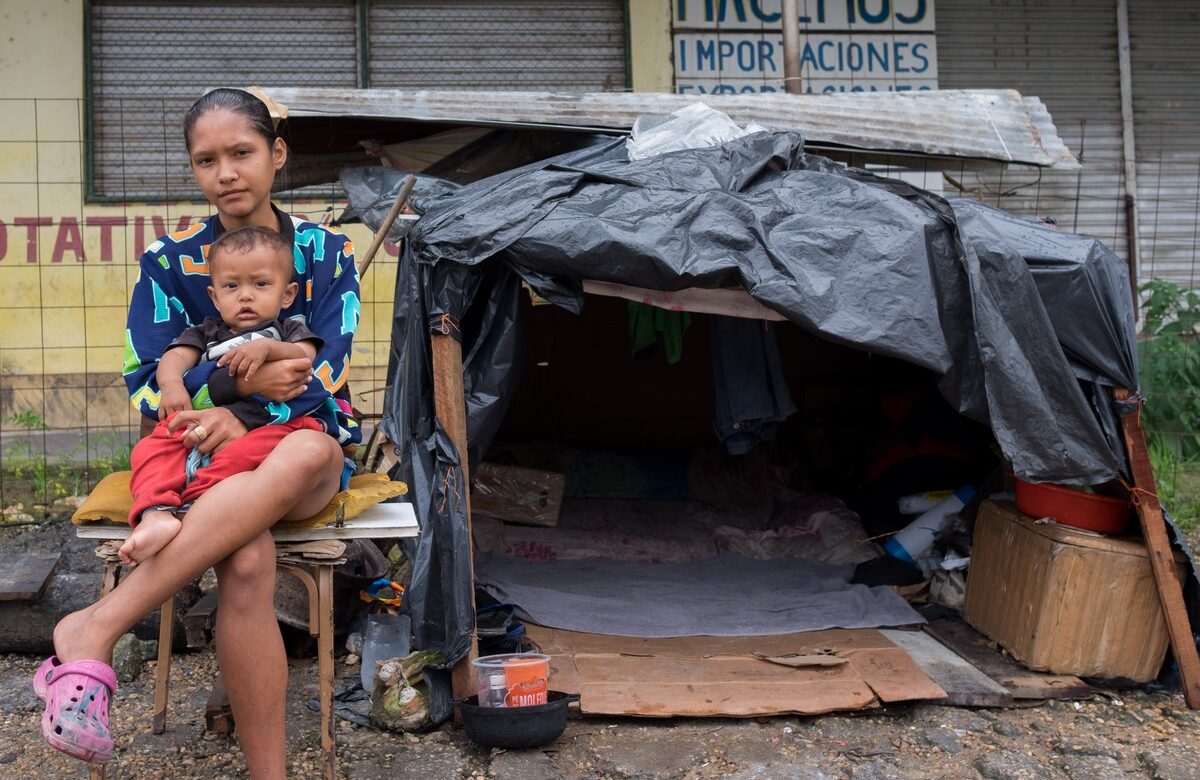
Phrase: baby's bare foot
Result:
[149,536]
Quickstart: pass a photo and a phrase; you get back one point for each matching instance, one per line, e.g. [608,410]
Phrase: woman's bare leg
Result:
[298,478]
[251,656]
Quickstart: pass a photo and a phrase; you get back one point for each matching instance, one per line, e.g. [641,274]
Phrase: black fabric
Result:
[1026,326]
[222,387]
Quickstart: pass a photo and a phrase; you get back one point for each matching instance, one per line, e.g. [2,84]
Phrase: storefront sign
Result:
[735,46]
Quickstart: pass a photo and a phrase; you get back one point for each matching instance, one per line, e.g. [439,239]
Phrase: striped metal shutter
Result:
[151,60]
[1065,52]
[1164,37]
[572,46]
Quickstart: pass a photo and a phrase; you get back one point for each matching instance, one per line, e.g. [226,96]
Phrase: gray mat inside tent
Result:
[727,595]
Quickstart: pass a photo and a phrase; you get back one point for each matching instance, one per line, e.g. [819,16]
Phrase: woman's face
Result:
[235,166]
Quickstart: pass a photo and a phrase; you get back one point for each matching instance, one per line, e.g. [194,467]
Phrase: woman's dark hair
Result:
[239,102]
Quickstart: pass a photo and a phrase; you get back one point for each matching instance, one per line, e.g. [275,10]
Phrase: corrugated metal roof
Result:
[998,125]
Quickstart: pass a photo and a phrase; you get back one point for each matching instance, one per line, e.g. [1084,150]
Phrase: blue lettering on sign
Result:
[919,51]
[917,16]
[875,12]
[874,18]
[719,12]
[725,89]
[706,53]
[901,48]
[762,16]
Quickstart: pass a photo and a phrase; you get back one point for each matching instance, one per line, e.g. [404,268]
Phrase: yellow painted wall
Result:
[67,267]
[650,46]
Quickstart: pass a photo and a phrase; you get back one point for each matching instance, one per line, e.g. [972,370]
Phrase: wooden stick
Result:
[162,673]
[401,198]
[1162,560]
[451,408]
[325,671]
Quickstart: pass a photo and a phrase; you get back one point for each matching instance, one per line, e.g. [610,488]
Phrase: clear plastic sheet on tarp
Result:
[1027,326]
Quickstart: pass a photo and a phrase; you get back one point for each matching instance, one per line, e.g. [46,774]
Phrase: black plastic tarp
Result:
[1028,327]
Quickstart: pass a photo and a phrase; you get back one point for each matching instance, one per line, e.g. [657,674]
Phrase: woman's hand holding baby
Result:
[279,380]
[210,429]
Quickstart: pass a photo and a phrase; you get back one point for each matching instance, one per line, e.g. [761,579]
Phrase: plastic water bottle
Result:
[386,637]
[916,537]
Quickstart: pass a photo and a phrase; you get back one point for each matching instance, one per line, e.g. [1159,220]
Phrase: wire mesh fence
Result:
[68,264]
[67,267]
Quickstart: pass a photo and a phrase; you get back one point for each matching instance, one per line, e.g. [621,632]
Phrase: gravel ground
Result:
[1130,735]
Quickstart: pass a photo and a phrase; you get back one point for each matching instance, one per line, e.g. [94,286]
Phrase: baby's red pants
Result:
[159,460]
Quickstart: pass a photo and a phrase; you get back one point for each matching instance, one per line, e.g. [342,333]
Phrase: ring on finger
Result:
[200,433]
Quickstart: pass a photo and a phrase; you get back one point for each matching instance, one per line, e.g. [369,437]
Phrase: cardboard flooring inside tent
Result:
[807,673]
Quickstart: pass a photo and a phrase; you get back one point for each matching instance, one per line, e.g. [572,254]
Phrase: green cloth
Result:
[648,323]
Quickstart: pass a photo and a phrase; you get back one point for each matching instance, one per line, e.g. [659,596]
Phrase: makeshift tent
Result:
[1028,327]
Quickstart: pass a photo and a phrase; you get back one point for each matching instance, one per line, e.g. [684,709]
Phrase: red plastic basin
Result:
[1102,514]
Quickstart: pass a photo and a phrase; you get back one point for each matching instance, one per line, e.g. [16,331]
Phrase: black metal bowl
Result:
[516,727]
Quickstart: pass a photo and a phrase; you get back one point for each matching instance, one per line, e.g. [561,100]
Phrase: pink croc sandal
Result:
[75,720]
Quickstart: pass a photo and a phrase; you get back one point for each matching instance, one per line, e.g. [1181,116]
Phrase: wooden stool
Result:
[310,554]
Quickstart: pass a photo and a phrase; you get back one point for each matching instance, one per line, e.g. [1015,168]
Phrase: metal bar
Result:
[791,46]
[1128,148]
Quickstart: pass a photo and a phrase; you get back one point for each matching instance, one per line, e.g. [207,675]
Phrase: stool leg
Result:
[162,675]
[96,772]
[325,670]
[112,575]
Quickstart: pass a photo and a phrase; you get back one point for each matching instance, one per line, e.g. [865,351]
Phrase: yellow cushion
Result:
[110,501]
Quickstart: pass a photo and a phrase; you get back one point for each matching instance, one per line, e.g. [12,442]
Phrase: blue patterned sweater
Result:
[172,294]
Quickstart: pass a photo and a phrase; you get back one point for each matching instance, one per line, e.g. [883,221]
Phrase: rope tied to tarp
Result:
[445,325]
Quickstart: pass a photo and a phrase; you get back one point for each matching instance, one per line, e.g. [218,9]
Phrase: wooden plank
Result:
[1162,561]
[450,406]
[199,620]
[382,521]
[218,715]
[893,676]
[728,302]
[518,495]
[24,577]
[721,676]
[162,672]
[1022,683]
[965,686]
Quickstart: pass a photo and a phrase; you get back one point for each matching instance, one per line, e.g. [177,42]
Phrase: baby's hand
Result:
[174,399]
[244,360]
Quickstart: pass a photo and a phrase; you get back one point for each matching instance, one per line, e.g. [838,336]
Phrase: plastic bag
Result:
[691,127]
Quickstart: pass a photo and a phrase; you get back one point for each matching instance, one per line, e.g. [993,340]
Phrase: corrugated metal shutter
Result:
[151,60]
[1166,108]
[1065,52]
[576,46]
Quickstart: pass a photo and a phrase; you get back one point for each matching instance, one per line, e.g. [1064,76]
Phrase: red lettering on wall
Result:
[3,239]
[31,225]
[106,224]
[68,238]
[160,225]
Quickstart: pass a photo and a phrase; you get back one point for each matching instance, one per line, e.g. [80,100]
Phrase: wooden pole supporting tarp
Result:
[1162,560]
[450,406]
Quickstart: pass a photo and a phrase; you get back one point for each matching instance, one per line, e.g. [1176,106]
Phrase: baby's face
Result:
[252,287]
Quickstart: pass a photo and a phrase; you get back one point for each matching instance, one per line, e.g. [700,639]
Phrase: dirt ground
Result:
[1122,735]
[1118,734]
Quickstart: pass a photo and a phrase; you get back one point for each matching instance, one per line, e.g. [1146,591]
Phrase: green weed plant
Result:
[1170,379]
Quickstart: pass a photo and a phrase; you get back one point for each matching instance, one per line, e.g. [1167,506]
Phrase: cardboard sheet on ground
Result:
[721,676]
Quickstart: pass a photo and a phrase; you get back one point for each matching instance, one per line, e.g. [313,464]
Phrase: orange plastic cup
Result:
[526,679]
